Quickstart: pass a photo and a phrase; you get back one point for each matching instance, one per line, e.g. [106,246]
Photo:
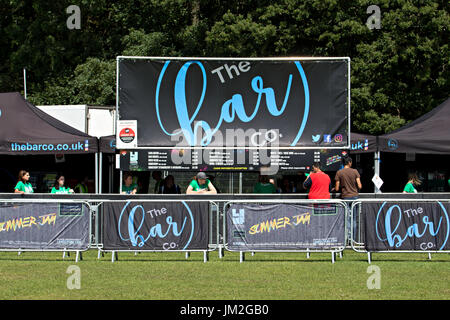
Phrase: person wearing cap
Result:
[201,185]
[318,182]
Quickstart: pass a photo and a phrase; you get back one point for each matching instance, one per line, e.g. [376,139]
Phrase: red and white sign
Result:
[126,134]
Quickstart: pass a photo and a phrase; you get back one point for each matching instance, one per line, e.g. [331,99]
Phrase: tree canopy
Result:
[398,71]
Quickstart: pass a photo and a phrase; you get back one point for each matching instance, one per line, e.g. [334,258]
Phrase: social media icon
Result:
[316,138]
[338,138]
[327,138]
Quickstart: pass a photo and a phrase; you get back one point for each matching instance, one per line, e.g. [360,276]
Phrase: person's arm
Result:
[190,190]
[307,183]
[336,186]
[358,182]
[17,189]
[212,189]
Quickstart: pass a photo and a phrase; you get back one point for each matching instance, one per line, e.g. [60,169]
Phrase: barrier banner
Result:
[285,226]
[44,226]
[236,102]
[405,226]
[155,225]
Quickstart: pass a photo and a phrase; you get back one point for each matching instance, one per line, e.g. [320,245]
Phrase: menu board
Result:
[229,160]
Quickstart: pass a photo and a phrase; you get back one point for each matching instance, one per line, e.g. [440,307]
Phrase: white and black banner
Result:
[285,226]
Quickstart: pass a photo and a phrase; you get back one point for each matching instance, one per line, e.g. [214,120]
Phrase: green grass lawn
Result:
[268,276]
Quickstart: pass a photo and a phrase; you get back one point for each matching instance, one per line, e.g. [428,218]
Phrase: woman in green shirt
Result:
[23,185]
[413,181]
[59,186]
[128,187]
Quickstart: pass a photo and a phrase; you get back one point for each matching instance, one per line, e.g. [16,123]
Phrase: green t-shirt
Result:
[409,188]
[264,188]
[130,188]
[196,187]
[60,190]
[25,187]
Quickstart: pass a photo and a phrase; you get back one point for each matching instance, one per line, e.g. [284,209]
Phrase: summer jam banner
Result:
[236,103]
[155,225]
[406,226]
[45,226]
[285,226]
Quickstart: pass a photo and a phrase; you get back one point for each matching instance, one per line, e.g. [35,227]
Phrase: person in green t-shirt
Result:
[128,187]
[23,185]
[201,185]
[82,187]
[59,186]
[264,185]
[413,181]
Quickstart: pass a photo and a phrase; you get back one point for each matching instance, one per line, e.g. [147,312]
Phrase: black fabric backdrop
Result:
[44,226]
[428,134]
[406,226]
[315,114]
[285,226]
[155,225]
[25,129]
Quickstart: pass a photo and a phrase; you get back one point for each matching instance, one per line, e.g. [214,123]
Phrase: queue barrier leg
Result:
[79,256]
[369,257]
[115,256]
[187,254]
[241,256]
[205,256]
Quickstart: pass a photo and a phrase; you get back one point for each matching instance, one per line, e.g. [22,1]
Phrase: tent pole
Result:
[377,167]
[96,172]
[120,183]
[25,83]
[100,172]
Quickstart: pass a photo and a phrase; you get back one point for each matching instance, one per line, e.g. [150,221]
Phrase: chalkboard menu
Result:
[229,159]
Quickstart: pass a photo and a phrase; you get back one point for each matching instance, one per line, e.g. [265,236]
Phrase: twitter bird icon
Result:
[316,138]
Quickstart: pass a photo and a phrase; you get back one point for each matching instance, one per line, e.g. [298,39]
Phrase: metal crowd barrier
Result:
[65,250]
[357,226]
[213,238]
[307,250]
[354,228]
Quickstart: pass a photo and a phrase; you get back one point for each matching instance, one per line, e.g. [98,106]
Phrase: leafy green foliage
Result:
[398,72]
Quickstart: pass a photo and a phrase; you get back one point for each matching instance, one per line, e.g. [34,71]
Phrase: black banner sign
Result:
[229,160]
[44,226]
[156,225]
[421,226]
[236,103]
[285,226]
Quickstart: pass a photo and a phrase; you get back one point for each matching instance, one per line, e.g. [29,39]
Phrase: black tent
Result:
[429,134]
[363,143]
[25,129]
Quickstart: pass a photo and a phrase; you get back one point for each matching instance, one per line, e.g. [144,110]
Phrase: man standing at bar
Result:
[348,181]
[318,182]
